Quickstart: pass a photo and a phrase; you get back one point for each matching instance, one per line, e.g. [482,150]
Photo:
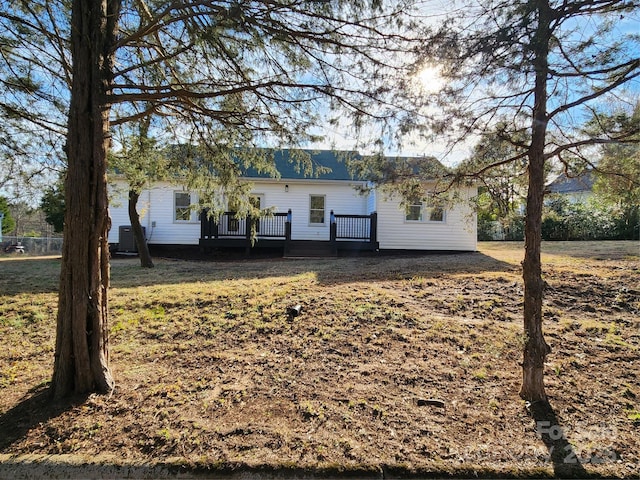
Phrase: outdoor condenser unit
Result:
[127,242]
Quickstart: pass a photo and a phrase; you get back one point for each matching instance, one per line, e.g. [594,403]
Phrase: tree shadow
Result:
[35,408]
[566,462]
[425,265]
[29,275]
[41,275]
[327,271]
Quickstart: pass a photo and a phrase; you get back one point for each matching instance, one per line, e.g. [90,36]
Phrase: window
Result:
[414,211]
[436,214]
[316,210]
[256,201]
[183,211]
[430,211]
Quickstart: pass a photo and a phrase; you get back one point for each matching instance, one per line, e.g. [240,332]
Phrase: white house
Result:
[576,189]
[325,210]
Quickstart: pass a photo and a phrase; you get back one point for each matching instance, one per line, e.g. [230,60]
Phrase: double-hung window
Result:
[435,213]
[430,210]
[183,211]
[414,211]
[316,209]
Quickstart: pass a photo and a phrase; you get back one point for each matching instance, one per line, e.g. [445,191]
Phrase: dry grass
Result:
[212,371]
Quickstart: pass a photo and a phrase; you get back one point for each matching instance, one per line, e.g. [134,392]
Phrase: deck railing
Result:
[350,232]
[273,226]
[227,225]
[354,227]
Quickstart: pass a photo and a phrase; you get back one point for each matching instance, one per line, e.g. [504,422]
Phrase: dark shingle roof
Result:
[334,165]
[325,165]
[565,184]
[294,164]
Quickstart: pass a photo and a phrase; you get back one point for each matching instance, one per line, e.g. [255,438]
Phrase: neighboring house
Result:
[576,189]
[327,210]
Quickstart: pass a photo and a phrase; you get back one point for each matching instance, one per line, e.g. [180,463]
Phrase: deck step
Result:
[310,248]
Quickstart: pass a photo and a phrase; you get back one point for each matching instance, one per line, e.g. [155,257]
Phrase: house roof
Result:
[309,164]
[334,165]
[565,184]
[331,165]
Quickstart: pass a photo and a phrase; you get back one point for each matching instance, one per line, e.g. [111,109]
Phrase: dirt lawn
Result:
[405,364]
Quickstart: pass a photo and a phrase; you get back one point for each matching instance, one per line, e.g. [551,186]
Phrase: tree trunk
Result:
[82,351]
[141,242]
[536,349]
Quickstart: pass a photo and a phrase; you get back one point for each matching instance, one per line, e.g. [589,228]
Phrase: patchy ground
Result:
[408,364]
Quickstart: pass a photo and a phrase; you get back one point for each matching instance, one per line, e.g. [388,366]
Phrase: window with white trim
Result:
[435,214]
[414,211]
[182,211]
[429,211]
[316,209]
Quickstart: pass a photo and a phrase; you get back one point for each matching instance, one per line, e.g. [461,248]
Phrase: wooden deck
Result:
[346,233]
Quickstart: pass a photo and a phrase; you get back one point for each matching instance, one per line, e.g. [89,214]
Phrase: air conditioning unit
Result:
[127,242]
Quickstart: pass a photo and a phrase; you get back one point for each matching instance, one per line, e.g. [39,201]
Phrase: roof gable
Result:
[565,184]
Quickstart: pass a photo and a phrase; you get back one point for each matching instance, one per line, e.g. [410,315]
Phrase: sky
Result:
[626,24]
[338,137]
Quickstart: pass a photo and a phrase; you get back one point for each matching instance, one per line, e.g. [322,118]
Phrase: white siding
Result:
[118,211]
[371,202]
[157,205]
[340,197]
[154,205]
[457,232]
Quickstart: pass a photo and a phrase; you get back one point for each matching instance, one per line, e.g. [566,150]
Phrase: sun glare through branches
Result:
[429,80]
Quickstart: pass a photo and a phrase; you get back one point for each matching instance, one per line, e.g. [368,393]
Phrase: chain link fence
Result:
[31,245]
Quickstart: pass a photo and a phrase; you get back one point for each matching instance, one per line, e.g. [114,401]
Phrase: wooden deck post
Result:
[203,229]
[333,233]
[204,223]
[373,228]
[247,234]
[287,233]
[208,225]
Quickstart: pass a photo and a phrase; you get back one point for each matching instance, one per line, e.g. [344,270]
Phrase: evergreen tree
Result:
[537,66]
[221,75]
[8,223]
[52,204]
[618,172]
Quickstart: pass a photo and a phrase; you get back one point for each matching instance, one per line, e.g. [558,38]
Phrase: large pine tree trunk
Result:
[141,242]
[82,353]
[536,349]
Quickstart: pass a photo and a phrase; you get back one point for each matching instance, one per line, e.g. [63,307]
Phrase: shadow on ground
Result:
[35,408]
[566,463]
[328,271]
[38,408]
[41,276]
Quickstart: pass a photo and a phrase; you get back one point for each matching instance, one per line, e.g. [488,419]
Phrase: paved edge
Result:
[68,466]
[77,467]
